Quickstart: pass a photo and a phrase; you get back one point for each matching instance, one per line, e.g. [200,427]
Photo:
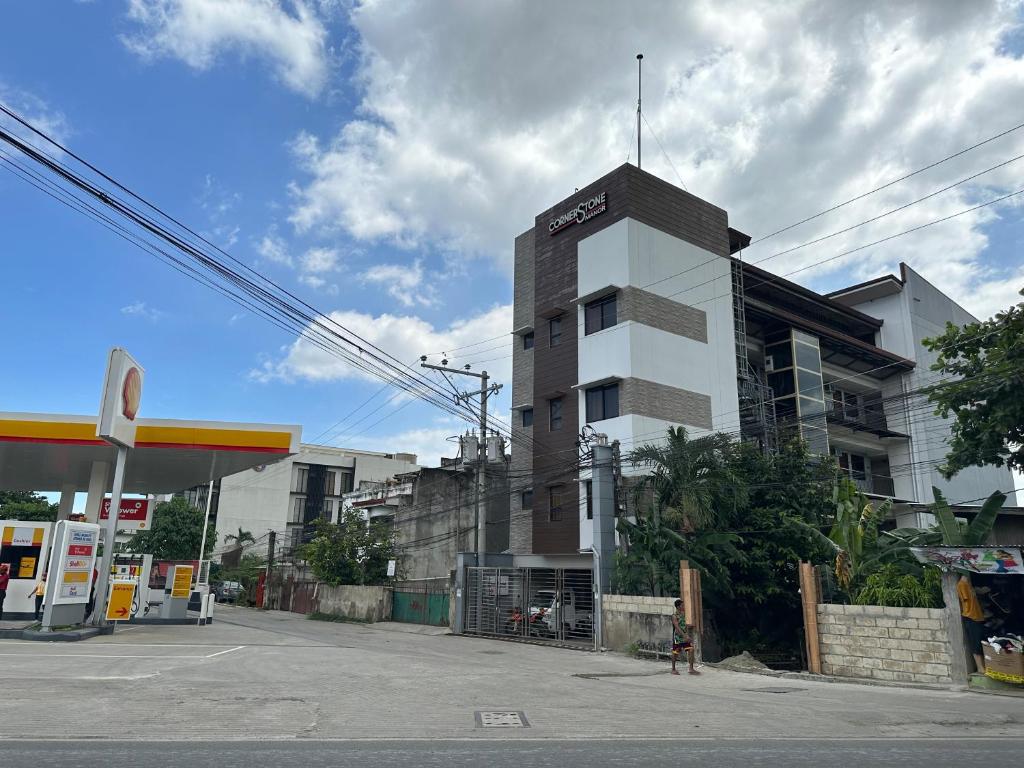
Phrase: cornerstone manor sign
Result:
[585,211]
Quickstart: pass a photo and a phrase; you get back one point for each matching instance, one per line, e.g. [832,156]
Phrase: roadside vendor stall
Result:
[990,582]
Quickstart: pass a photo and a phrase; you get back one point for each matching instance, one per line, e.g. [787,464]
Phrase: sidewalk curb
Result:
[809,678]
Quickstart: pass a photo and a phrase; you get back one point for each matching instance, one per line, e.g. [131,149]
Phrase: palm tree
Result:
[239,538]
[692,480]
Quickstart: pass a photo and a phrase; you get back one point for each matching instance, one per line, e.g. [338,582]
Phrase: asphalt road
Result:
[541,753]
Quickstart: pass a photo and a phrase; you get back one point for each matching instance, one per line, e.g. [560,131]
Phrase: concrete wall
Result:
[882,643]
[352,602]
[628,619]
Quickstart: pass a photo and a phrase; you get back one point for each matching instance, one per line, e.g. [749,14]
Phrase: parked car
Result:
[227,591]
[572,614]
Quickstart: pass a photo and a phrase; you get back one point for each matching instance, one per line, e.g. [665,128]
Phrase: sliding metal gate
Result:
[552,604]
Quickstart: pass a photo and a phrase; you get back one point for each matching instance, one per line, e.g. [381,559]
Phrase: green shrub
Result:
[892,586]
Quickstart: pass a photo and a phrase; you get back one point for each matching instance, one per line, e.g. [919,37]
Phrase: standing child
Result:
[681,639]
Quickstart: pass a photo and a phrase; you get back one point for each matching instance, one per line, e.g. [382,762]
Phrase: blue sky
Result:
[378,158]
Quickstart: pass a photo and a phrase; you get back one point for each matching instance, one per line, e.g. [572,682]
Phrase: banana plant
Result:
[855,531]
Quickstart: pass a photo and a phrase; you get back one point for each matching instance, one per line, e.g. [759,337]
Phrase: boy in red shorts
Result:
[681,640]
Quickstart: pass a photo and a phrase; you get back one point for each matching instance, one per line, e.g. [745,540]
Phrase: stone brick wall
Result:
[660,401]
[354,602]
[628,619]
[659,312]
[881,643]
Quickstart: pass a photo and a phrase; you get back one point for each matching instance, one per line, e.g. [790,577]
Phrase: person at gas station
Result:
[5,578]
[39,590]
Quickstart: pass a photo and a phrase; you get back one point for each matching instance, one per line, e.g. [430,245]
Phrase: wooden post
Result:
[690,593]
[809,602]
[958,670]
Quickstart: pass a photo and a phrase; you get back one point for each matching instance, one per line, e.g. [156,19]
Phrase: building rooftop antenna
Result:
[639,91]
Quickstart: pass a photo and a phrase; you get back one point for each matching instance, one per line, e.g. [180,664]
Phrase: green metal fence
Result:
[419,607]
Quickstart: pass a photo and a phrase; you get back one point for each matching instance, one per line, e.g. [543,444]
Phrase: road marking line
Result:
[38,643]
[229,650]
[94,656]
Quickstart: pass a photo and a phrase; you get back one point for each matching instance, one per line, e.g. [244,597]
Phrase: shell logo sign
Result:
[131,393]
[122,394]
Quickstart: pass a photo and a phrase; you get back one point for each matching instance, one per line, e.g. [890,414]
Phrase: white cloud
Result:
[459,146]
[290,35]
[38,113]
[141,309]
[406,338]
[273,248]
[317,260]
[403,283]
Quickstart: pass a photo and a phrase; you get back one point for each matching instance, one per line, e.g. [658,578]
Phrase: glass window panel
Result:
[611,401]
[781,354]
[555,413]
[783,384]
[528,499]
[555,331]
[817,440]
[808,357]
[595,409]
[528,340]
[809,383]
[609,312]
[527,417]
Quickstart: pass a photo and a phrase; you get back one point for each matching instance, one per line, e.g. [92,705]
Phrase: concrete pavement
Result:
[534,753]
[278,676]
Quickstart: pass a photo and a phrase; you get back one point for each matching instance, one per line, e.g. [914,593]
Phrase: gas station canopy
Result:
[48,452]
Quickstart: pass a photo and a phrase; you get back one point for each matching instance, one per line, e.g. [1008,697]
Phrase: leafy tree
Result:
[246,573]
[987,396]
[175,533]
[26,505]
[789,501]
[351,551]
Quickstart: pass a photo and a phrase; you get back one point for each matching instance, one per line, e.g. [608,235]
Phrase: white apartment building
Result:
[289,495]
[635,312]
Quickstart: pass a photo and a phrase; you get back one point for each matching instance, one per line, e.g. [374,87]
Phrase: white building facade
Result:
[287,497]
[634,312]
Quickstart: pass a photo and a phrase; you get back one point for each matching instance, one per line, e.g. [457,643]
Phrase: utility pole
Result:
[639,89]
[271,542]
[486,389]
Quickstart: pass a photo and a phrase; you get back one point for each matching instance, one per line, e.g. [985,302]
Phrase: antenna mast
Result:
[639,84]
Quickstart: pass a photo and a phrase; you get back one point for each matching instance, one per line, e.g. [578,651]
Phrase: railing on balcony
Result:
[855,410]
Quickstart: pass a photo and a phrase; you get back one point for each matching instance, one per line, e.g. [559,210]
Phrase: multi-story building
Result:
[634,312]
[289,496]
[433,512]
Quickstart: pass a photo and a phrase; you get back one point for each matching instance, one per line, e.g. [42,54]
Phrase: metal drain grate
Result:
[501,720]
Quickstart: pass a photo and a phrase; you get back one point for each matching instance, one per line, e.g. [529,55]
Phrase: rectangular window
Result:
[301,479]
[555,420]
[527,417]
[555,331]
[329,483]
[528,340]
[528,498]
[298,509]
[328,509]
[603,402]
[555,504]
[600,314]
[346,482]
[590,500]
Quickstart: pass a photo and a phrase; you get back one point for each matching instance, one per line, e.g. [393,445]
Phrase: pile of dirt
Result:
[744,662]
